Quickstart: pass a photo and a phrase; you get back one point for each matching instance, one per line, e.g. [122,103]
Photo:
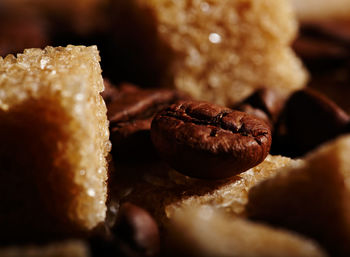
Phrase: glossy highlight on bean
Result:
[204,140]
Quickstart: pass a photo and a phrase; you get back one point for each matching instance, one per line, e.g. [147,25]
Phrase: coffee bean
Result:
[336,30]
[308,120]
[323,45]
[264,103]
[247,108]
[208,141]
[137,229]
[130,112]
[267,100]
[310,48]
[110,92]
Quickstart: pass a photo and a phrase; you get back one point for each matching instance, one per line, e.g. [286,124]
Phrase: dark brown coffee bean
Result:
[138,229]
[204,140]
[247,108]
[130,112]
[267,100]
[110,93]
[314,48]
[308,120]
[135,103]
[264,103]
[337,30]
[323,45]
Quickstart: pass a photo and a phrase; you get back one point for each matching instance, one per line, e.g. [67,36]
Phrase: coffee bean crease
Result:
[215,123]
[205,140]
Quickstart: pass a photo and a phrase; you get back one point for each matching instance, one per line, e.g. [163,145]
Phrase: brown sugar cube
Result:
[209,232]
[218,51]
[54,142]
[313,198]
[233,195]
[161,190]
[73,248]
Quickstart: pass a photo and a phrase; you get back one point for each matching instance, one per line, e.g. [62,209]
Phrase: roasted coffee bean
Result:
[323,45]
[264,103]
[336,30]
[110,93]
[247,108]
[208,141]
[319,49]
[106,244]
[130,112]
[308,120]
[135,227]
[265,99]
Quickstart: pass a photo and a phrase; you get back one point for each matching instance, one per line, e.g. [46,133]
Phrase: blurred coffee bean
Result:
[101,242]
[267,100]
[204,140]
[104,244]
[247,108]
[324,45]
[110,92]
[130,112]
[137,229]
[308,119]
[133,234]
[314,48]
[338,30]
[264,103]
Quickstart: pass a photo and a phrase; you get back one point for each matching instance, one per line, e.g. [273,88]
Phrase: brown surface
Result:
[205,231]
[161,190]
[312,199]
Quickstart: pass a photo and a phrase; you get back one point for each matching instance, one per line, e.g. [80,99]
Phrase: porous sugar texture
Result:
[161,190]
[313,198]
[54,142]
[233,196]
[210,232]
[221,51]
